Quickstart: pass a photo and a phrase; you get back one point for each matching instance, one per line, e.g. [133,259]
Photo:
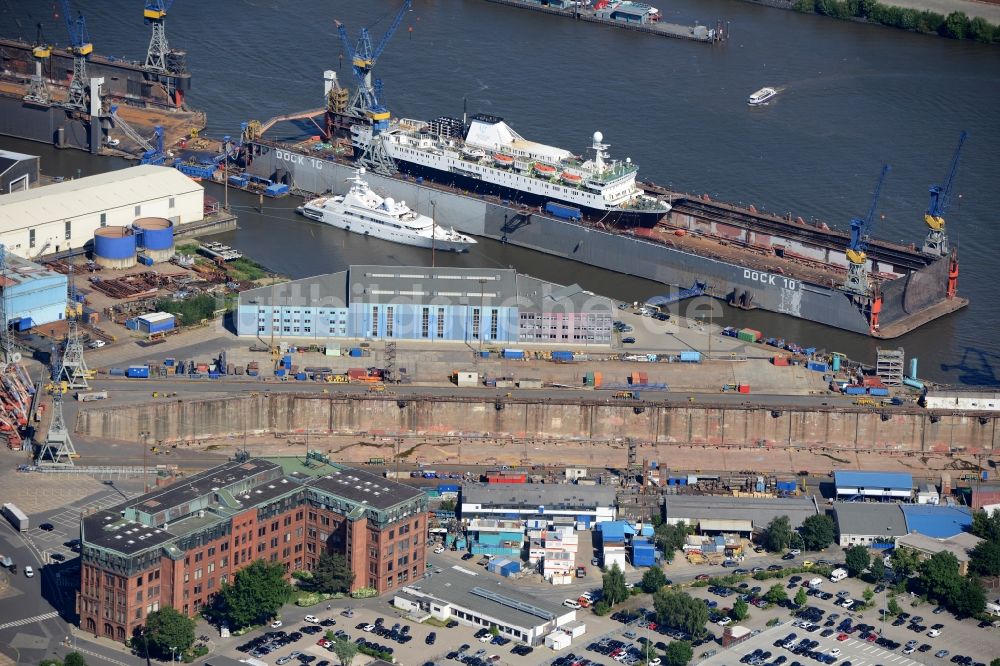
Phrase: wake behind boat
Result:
[364,212]
[761,96]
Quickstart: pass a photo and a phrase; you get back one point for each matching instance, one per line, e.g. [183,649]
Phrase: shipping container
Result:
[529,383]
[144,259]
[517,354]
[276,190]
[562,211]
[356,351]
[448,488]
[854,389]
[16,517]
[817,366]
[744,388]
[749,335]
[781,361]
[562,356]
[690,357]
[138,372]
[24,324]
[301,376]
[280,372]
[878,391]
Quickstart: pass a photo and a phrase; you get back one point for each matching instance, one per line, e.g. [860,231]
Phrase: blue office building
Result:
[34,295]
[492,306]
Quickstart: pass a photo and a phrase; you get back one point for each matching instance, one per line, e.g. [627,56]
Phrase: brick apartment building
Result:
[175,546]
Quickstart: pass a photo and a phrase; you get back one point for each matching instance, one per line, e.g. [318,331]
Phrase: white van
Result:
[838,575]
[815,583]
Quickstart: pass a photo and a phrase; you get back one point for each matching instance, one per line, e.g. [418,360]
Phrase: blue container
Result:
[144,259]
[690,357]
[786,486]
[563,212]
[214,375]
[276,190]
[286,362]
[985,475]
[448,488]
[817,366]
[484,354]
[279,372]
[169,362]
[114,243]
[24,324]
[239,181]
[513,354]
[355,351]
[117,372]
[854,390]
[875,390]
[562,356]
[138,372]
[301,377]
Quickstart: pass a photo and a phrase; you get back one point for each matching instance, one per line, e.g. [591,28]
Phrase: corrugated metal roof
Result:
[939,522]
[154,317]
[760,510]
[725,525]
[891,480]
[91,195]
[869,519]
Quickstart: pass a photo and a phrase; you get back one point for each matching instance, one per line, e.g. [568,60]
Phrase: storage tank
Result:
[156,236]
[114,247]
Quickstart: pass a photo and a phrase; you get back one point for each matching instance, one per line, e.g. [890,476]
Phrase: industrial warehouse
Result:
[33,294]
[66,215]
[203,528]
[496,306]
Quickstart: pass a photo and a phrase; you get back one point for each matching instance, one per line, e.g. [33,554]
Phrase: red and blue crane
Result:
[857,251]
[936,242]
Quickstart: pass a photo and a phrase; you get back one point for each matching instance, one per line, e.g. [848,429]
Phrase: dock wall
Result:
[564,423]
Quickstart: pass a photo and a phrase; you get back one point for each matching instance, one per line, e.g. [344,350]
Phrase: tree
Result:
[740,610]
[331,575]
[868,594]
[939,575]
[967,598]
[679,653]
[801,597]
[168,630]
[858,560]
[615,588]
[986,525]
[817,532]
[602,608]
[797,541]
[776,594]
[678,610]
[904,560]
[778,534]
[447,505]
[255,595]
[995,662]
[956,25]
[981,30]
[74,659]
[985,558]
[671,537]
[653,579]
[893,607]
[345,651]
[877,569]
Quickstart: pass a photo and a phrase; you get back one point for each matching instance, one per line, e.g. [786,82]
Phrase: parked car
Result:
[29,572]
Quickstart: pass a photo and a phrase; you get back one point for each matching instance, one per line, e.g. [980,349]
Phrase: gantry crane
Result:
[81,47]
[38,90]
[365,104]
[857,257]
[936,242]
[154,13]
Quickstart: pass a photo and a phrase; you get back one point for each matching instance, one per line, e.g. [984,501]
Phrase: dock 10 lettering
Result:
[298,159]
[767,278]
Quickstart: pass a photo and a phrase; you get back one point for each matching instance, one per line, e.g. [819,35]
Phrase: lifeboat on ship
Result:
[571,178]
[501,160]
[545,170]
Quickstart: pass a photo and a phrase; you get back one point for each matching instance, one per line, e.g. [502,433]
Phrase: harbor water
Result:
[851,97]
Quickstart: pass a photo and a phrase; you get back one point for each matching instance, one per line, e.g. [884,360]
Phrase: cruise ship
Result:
[362,211]
[488,157]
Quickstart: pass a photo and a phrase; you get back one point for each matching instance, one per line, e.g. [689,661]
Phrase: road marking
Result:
[100,656]
[29,620]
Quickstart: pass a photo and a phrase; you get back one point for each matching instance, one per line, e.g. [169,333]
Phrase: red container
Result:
[780,361]
[500,477]
[357,373]
[744,388]
[869,382]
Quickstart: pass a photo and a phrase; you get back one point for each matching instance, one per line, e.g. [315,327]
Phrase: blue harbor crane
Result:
[366,103]
[154,13]
[857,257]
[81,48]
[936,242]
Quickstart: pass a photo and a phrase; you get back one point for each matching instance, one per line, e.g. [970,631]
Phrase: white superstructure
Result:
[495,154]
[364,212]
[761,96]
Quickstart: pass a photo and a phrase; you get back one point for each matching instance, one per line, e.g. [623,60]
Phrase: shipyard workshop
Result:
[718,514]
[881,523]
[33,294]
[65,216]
[18,172]
[555,504]
[498,306]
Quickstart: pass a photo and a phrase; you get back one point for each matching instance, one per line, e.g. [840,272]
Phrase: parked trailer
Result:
[93,395]
[16,517]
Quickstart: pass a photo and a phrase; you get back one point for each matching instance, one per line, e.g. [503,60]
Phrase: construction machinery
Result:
[366,106]
[936,243]
[81,48]
[857,272]
[153,154]
[38,89]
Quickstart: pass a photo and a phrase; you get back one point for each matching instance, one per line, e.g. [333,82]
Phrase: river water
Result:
[852,97]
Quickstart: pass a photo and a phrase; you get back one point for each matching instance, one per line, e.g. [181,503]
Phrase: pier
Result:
[695,33]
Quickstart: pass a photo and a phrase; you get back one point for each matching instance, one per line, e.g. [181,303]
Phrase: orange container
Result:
[744,388]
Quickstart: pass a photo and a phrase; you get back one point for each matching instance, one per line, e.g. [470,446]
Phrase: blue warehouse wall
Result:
[42,299]
[444,322]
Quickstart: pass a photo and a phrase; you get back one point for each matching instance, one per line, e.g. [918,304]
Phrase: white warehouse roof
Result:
[90,195]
